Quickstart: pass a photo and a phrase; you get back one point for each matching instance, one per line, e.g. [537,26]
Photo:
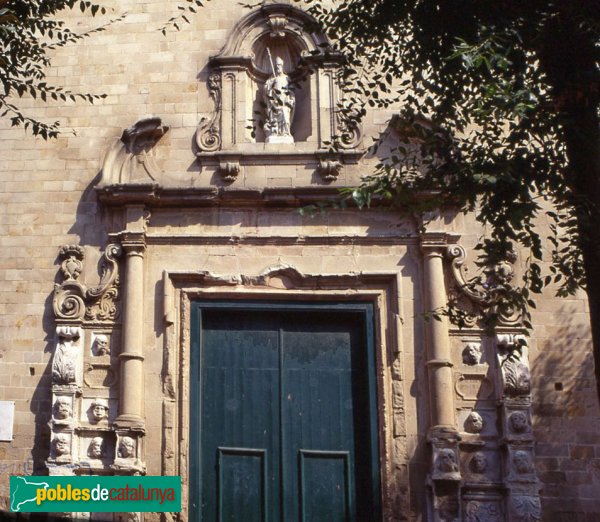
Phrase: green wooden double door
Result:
[283,413]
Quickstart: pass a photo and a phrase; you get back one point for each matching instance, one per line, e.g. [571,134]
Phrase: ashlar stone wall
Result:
[138,172]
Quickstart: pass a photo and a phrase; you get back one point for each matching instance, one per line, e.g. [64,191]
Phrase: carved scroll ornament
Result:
[74,301]
[481,291]
[130,159]
[208,134]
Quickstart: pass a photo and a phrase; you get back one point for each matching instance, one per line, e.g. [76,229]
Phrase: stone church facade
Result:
[169,310]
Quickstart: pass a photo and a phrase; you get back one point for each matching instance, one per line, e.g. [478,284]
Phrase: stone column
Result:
[438,344]
[444,478]
[131,399]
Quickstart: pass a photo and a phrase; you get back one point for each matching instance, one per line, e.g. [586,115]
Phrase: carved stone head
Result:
[61,445]
[127,448]
[99,410]
[446,461]
[101,346]
[96,448]
[518,422]
[471,355]
[522,462]
[478,462]
[474,423]
[62,408]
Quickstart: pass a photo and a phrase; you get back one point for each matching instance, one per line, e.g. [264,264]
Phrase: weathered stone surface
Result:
[218,242]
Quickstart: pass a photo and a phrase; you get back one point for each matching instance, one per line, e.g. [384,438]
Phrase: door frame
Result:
[366,311]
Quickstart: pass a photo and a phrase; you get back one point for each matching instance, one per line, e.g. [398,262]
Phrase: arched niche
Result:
[236,79]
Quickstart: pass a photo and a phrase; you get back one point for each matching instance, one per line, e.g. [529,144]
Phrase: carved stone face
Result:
[446,461]
[474,423]
[518,422]
[61,445]
[62,408]
[278,66]
[99,411]
[472,354]
[478,462]
[127,448]
[522,462]
[95,448]
[101,346]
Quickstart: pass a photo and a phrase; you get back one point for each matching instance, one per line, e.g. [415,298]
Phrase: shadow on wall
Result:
[566,417]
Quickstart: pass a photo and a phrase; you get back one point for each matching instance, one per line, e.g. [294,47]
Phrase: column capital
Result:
[436,243]
[133,243]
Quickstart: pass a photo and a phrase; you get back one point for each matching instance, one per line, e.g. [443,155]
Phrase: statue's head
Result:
[479,462]
[61,444]
[279,65]
[127,447]
[99,409]
[62,408]
[101,345]
[95,449]
[446,461]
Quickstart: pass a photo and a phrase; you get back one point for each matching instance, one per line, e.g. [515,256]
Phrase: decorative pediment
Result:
[275,96]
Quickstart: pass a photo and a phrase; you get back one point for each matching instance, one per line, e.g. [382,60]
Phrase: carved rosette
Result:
[208,134]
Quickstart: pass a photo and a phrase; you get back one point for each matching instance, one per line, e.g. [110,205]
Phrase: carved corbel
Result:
[329,169]
[208,133]
[229,170]
[73,301]
[130,159]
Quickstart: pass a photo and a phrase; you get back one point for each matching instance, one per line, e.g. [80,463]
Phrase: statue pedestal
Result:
[279,139]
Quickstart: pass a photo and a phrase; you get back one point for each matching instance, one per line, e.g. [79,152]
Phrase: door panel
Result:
[239,382]
[285,417]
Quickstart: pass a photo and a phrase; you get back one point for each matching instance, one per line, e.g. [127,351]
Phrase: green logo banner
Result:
[94,494]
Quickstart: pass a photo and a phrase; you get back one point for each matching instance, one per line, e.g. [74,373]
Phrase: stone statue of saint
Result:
[280,103]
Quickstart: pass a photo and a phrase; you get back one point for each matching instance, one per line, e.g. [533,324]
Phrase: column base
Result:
[131,422]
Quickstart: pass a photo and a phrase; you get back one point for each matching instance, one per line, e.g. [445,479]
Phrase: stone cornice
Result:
[154,195]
